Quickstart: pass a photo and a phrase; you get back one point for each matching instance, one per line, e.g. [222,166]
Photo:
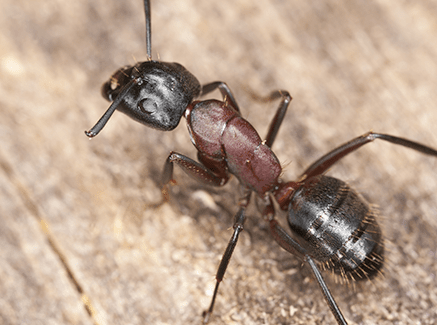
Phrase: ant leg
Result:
[224,90]
[326,161]
[275,124]
[290,245]
[240,218]
[326,293]
[192,168]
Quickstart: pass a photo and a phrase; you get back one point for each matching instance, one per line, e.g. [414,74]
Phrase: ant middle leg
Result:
[240,218]
[276,122]
[207,175]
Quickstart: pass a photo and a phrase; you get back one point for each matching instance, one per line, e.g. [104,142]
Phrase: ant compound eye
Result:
[147,106]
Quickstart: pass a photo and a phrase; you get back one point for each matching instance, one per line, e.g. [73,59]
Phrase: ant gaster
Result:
[331,223]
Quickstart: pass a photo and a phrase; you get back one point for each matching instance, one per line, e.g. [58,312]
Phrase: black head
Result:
[153,93]
[158,92]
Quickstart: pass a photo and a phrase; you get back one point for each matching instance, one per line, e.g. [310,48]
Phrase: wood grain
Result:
[81,242]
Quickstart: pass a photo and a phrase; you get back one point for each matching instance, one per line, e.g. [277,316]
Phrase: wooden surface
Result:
[80,242]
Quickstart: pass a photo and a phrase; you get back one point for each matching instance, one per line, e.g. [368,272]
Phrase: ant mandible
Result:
[331,223]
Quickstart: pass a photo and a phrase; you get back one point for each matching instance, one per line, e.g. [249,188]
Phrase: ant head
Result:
[153,93]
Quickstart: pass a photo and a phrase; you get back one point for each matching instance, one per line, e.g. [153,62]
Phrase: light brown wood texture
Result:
[77,225]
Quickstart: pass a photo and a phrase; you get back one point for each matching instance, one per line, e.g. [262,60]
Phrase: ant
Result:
[332,225]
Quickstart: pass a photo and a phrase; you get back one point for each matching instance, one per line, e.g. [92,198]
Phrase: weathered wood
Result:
[350,66]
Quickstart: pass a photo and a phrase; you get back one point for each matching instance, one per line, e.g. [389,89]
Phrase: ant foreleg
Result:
[192,168]
[224,90]
[326,161]
[290,245]
[240,218]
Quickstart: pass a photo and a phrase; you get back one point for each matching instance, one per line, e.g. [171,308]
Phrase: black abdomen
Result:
[337,227]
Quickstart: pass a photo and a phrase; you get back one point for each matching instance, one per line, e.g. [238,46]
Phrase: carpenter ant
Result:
[330,222]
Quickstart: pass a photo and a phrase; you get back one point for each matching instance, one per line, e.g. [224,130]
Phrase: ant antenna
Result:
[148,29]
[102,122]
